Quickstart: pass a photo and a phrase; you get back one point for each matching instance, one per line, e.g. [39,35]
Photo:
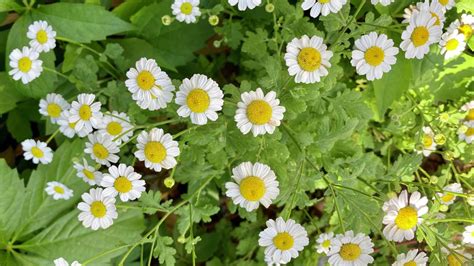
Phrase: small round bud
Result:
[169,182]
[443,208]
[217,43]
[391,195]
[166,20]
[433,179]
[444,117]
[448,155]
[269,7]
[440,139]
[395,117]
[213,20]
[181,239]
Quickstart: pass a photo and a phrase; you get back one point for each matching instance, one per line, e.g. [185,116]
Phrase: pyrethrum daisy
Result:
[427,141]
[150,87]
[435,9]
[258,112]
[186,10]
[244,4]
[307,59]
[457,258]
[37,151]
[347,249]
[116,126]
[53,106]
[42,36]
[373,55]
[468,234]
[25,64]
[403,214]
[324,243]
[255,184]
[469,109]
[447,198]
[102,149]
[200,98]
[88,173]
[67,128]
[323,7]
[468,134]
[85,113]
[411,258]
[283,240]
[58,190]
[452,44]
[420,34]
[124,181]
[97,210]
[157,149]
[446,4]
[465,26]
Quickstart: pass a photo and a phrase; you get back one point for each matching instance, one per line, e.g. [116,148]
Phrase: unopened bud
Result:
[166,20]
[269,8]
[169,182]
[213,20]
[440,139]
[444,117]
[443,208]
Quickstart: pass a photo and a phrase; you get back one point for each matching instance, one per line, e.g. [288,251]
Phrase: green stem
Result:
[460,220]
[349,23]
[191,234]
[293,197]
[103,254]
[56,72]
[52,136]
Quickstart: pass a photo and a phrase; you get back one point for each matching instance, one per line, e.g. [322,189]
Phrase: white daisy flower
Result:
[427,141]
[452,44]
[85,113]
[88,173]
[457,258]
[408,12]
[469,108]
[446,4]
[97,210]
[255,184]
[117,126]
[157,149]
[468,134]
[258,112]
[411,258]
[283,240]
[62,262]
[323,7]
[244,4]
[53,106]
[382,2]
[67,128]
[150,87]
[42,36]
[435,9]
[373,55]
[468,235]
[102,149]
[25,64]
[37,151]
[199,97]
[123,181]
[186,10]
[324,243]
[347,249]
[58,190]
[402,215]
[307,59]
[447,198]
[465,26]
[419,35]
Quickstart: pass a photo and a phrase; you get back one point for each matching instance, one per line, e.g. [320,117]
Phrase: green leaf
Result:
[392,85]
[8,94]
[164,251]
[9,5]
[17,126]
[81,23]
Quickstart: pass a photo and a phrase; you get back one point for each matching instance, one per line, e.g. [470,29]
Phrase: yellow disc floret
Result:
[452,44]
[24,64]
[252,188]
[98,209]
[186,8]
[54,110]
[374,56]
[122,184]
[145,80]
[350,252]
[407,218]
[198,100]
[155,152]
[114,128]
[37,152]
[283,241]
[259,112]
[42,36]
[100,151]
[85,112]
[420,36]
[309,59]
[59,190]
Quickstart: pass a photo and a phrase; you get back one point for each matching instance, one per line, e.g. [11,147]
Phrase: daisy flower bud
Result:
[269,7]
[166,20]
[169,182]
[213,20]
[440,139]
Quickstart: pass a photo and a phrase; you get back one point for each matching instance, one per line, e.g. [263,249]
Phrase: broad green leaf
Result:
[129,7]
[9,5]
[81,23]
[17,126]
[9,96]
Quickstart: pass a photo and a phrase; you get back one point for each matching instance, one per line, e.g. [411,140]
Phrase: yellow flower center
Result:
[350,252]
[438,22]
[72,125]
[42,36]
[410,263]
[470,115]
[98,209]
[454,260]
[198,100]
[85,112]
[407,218]
[59,190]
[100,151]
[114,128]
[37,152]
[420,36]
[324,1]
[326,243]
[427,140]
[259,112]
[466,29]
[54,110]
[88,174]
[443,2]
[447,197]
[469,132]
[24,64]
[145,80]
[283,241]
[252,188]
[155,152]
[309,59]
[374,56]
[186,8]
[452,44]
[122,184]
